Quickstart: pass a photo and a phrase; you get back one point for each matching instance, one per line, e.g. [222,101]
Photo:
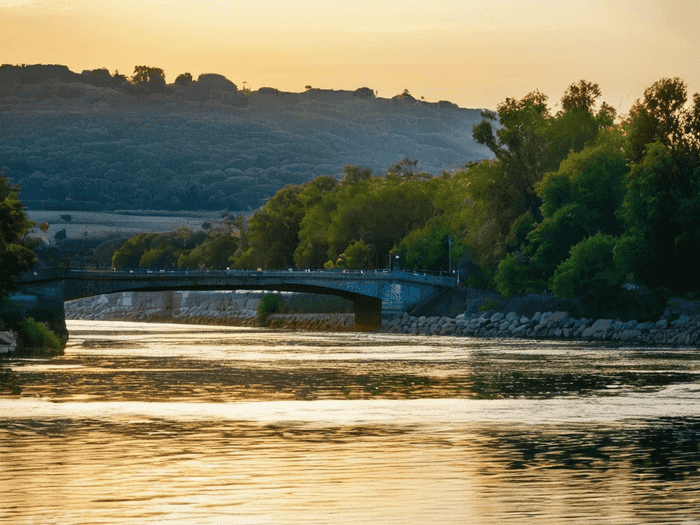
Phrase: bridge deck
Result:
[370,290]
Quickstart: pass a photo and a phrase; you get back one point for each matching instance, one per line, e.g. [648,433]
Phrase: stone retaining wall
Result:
[194,307]
[682,330]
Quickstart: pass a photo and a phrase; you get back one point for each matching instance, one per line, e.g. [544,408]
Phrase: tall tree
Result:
[15,256]
[150,78]
[662,200]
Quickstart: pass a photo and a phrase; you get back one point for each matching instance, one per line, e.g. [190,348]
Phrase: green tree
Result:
[15,255]
[273,231]
[589,270]
[529,143]
[272,234]
[380,212]
[580,199]
[161,257]
[130,252]
[357,256]
[428,247]
[520,145]
[320,201]
[660,204]
[214,252]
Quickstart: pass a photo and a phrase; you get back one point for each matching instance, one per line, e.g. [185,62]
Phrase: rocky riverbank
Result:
[679,325]
[671,330]
[330,322]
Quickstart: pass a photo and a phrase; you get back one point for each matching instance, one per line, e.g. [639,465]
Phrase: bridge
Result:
[372,291]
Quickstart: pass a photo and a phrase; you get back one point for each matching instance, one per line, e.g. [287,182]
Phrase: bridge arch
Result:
[372,292]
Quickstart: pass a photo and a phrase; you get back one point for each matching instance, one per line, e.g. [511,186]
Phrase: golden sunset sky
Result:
[474,53]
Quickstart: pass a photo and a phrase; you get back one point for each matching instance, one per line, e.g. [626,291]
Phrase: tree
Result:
[590,269]
[273,231]
[580,199]
[380,212]
[357,256]
[427,248]
[577,123]
[130,252]
[150,78]
[662,115]
[661,202]
[213,253]
[520,147]
[183,79]
[15,256]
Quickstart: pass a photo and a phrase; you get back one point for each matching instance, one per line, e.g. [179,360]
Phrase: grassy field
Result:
[89,225]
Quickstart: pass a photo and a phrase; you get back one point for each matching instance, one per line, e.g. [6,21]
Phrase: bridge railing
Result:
[92,273]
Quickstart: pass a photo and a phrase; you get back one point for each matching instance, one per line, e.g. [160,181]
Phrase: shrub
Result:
[491,304]
[512,275]
[270,304]
[34,337]
[590,269]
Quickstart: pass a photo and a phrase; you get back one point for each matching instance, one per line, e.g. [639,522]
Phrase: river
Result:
[163,423]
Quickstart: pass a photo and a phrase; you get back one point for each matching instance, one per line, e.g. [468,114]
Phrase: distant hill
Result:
[91,141]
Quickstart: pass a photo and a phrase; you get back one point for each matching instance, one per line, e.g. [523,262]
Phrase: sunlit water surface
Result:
[145,423]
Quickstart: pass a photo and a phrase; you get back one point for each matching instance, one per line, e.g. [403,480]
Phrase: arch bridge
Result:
[371,291]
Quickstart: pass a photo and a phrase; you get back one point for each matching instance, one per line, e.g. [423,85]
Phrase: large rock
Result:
[597,329]
[8,343]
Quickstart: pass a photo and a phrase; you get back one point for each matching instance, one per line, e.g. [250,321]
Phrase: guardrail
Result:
[68,273]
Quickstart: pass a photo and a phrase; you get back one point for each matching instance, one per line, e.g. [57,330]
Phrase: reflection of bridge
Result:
[371,291]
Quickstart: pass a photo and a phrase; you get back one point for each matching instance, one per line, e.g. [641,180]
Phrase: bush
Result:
[35,338]
[590,269]
[512,275]
[270,304]
[491,304]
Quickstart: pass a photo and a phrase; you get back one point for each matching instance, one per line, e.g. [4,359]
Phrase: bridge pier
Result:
[368,314]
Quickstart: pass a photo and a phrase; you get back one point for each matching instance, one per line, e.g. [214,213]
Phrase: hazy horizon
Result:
[473,55]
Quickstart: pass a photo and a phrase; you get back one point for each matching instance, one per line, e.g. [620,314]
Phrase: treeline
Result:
[145,80]
[579,203]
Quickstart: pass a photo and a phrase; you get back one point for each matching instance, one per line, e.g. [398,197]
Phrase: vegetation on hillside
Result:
[100,141]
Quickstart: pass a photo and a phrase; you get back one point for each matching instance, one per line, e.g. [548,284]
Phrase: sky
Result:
[474,53]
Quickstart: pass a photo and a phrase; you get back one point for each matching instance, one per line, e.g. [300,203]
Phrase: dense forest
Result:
[579,203]
[100,141]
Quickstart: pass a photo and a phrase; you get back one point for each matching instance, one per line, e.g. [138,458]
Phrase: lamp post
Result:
[449,256]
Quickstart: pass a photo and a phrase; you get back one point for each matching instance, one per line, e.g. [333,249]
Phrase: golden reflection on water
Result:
[218,425]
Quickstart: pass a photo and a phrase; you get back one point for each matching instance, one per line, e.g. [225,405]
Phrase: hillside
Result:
[75,145]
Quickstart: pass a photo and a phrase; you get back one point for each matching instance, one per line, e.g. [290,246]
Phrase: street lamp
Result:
[449,256]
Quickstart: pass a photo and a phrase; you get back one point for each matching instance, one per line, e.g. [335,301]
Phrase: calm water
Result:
[143,423]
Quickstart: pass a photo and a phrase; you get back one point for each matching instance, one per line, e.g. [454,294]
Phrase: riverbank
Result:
[678,327]
[671,330]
